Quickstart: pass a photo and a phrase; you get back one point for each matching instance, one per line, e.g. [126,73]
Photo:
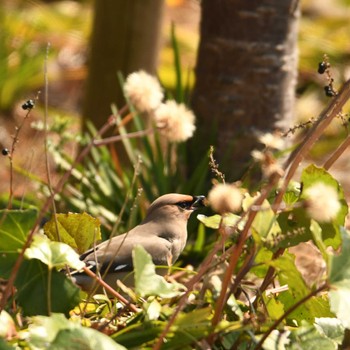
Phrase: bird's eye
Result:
[183,205]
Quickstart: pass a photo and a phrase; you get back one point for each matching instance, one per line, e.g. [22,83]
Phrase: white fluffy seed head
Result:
[174,121]
[273,141]
[143,91]
[322,202]
[225,198]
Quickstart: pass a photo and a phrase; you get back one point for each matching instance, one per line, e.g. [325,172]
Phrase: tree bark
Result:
[245,76]
[125,38]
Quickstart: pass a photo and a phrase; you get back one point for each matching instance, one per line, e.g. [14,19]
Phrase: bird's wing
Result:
[116,256]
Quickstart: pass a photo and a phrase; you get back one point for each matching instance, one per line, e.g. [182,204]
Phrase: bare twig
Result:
[116,138]
[324,120]
[337,153]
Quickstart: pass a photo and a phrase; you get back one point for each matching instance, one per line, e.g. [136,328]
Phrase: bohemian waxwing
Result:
[163,234]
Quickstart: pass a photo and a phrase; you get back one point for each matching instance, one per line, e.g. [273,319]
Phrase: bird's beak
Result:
[198,202]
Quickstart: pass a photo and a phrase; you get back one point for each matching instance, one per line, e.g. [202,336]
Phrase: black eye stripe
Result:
[184,205]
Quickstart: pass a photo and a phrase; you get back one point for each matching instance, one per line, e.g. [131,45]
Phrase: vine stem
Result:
[288,312]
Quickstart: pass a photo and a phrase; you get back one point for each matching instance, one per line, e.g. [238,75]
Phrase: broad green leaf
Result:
[56,332]
[295,228]
[41,290]
[339,279]
[79,231]
[339,265]
[145,331]
[292,193]
[311,175]
[307,337]
[214,221]
[189,327]
[265,225]
[330,231]
[289,275]
[274,307]
[14,228]
[53,254]
[262,258]
[332,328]
[147,282]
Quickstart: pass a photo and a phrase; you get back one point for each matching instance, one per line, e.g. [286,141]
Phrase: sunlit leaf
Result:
[339,279]
[14,228]
[214,221]
[56,332]
[53,254]
[147,282]
[332,328]
[265,223]
[308,337]
[77,230]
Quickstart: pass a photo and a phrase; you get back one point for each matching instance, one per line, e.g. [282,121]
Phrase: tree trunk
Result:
[125,38]
[245,76]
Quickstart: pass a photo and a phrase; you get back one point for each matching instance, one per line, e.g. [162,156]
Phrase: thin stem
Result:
[324,120]
[337,153]
[287,313]
[46,151]
[236,252]
[117,138]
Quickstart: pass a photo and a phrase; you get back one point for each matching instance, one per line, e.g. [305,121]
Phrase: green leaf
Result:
[14,228]
[332,328]
[292,193]
[339,279]
[289,275]
[311,175]
[41,291]
[79,231]
[56,332]
[214,221]
[265,225]
[147,282]
[307,337]
[53,254]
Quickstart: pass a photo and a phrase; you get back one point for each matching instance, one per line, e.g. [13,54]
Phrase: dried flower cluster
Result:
[269,165]
[225,198]
[273,141]
[322,203]
[143,91]
[174,121]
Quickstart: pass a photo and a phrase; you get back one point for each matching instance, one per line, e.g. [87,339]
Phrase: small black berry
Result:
[28,105]
[322,67]
[329,91]
[5,152]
